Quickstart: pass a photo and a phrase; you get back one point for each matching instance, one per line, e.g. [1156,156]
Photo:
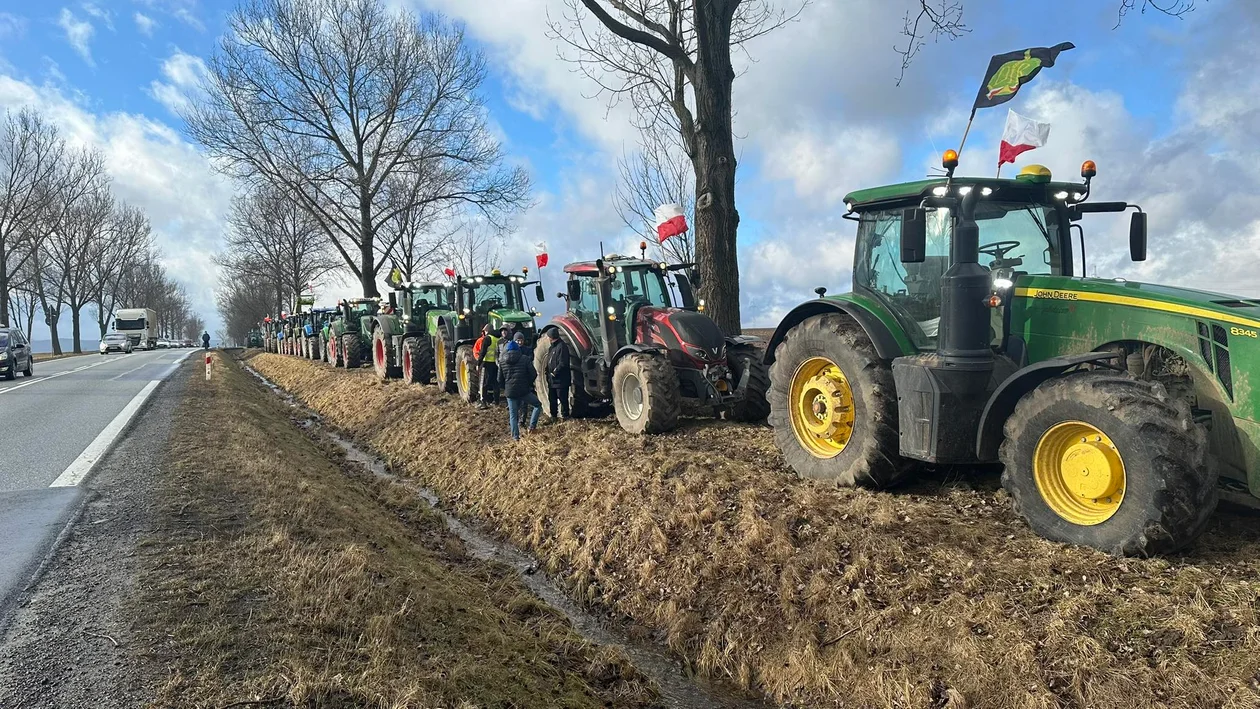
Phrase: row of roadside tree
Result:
[68,247]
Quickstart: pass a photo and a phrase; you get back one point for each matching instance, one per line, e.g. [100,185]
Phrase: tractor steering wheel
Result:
[999,249]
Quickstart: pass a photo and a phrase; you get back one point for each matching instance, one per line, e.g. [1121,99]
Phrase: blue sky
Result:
[1167,106]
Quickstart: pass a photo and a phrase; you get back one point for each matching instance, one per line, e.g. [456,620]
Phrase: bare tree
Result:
[416,245]
[271,237]
[242,304]
[127,244]
[659,173]
[31,155]
[473,248]
[331,100]
[672,60]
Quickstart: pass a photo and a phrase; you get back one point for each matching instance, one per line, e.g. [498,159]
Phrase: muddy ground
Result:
[246,564]
[932,595]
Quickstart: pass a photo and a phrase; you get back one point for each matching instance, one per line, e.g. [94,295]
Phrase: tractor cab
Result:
[622,297]
[357,313]
[495,299]
[418,299]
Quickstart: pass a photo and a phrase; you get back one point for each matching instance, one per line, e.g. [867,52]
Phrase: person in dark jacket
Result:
[487,353]
[559,376]
[516,376]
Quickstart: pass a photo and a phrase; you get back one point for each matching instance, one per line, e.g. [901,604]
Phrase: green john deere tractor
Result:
[349,332]
[495,299]
[403,334]
[254,338]
[1120,411]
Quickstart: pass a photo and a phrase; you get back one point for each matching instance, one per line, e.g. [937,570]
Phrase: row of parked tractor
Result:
[639,340]
[1120,411]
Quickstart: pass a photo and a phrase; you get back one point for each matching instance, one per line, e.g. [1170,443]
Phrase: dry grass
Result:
[48,356]
[932,596]
[276,576]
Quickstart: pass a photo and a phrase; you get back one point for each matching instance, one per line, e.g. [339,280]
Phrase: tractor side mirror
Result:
[1137,236]
[393,299]
[538,293]
[913,235]
[575,289]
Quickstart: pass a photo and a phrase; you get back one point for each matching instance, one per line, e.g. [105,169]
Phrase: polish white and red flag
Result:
[670,221]
[540,254]
[450,272]
[1021,135]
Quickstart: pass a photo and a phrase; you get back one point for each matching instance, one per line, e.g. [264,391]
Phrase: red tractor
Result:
[631,345]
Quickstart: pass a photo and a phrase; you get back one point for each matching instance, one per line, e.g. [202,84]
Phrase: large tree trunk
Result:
[367,255]
[4,288]
[75,332]
[52,332]
[717,220]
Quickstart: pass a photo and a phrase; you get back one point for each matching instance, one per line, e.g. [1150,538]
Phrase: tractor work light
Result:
[848,206]
[986,191]
[940,191]
[611,310]
[480,279]
[700,305]
[949,160]
[1088,169]
[964,190]
[467,310]
[1003,283]
[1060,196]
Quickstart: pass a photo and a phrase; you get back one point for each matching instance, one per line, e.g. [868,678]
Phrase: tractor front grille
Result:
[1214,347]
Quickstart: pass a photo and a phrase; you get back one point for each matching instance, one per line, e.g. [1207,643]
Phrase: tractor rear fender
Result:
[743,340]
[570,338]
[1009,392]
[886,345]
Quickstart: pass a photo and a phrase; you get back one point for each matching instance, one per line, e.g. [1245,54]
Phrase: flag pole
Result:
[967,130]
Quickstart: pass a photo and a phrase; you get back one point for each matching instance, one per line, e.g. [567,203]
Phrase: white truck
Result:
[139,325]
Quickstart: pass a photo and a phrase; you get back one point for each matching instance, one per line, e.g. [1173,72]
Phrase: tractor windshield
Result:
[640,285]
[1016,238]
[494,295]
[431,297]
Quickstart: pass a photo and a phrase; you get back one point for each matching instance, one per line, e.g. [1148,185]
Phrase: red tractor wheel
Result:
[333,358]
[382,354]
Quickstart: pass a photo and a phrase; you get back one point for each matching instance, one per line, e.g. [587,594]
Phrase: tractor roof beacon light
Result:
[1036,174]
[949,161]
[642,249]
[1088,169]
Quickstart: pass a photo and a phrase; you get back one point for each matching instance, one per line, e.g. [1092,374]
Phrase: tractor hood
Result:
[683,330]
[499,316]
[1186,301]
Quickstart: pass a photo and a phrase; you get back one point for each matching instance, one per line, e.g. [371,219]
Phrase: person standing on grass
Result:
[517,375]
[559,376]
[486,350]
[205,339]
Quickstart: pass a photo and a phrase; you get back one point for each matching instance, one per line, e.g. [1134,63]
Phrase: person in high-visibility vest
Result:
[486,351]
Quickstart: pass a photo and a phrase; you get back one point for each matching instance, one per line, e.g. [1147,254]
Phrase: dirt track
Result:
[935,595]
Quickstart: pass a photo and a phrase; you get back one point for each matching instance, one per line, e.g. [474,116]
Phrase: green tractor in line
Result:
[495,299]
[403,334]
[348,339]
[1121,411]
[314,331]
[254,338]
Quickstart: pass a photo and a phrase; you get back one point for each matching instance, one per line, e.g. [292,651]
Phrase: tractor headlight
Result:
[697,352]
[1003,283]
[611,310]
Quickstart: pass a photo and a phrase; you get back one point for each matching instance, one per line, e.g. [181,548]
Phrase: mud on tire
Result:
[1170,478]
[645,394]
[754,406]
[872,456]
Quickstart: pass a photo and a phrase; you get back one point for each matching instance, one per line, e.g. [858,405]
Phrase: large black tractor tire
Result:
[444,365]
[323,348]
[869,453]
[383,356]
[579,402]
[467,374]
[312,344]
[417,360]
[1075,426]
[645,394]
[351,350]
[754,406]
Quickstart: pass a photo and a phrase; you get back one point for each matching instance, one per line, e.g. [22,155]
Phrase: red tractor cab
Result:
[637,338]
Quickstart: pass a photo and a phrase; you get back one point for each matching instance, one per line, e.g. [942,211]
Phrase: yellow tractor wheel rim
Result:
[1079,473]
[821,403]
[463,375]
[440,358]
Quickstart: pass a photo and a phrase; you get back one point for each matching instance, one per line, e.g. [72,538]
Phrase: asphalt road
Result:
[54,427]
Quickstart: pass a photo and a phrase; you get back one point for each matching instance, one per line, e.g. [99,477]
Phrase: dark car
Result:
[15,354]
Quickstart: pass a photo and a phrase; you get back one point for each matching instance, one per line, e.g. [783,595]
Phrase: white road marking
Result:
[82,466]
[38,379]
[136,369]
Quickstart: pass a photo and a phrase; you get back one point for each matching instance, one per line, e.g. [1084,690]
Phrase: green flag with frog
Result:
[1007,72]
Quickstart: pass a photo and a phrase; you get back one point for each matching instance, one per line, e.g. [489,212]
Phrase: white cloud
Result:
[183,10]
[184,73]
[154,168]
[11,26]
[78,34]
[145,24]
[105,16]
